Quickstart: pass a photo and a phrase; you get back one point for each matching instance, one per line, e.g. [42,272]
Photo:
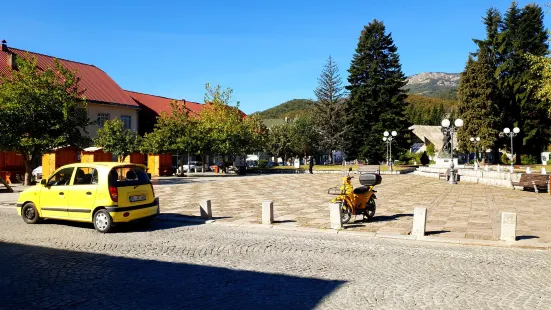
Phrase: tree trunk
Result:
[202,163]
[28,170]
[330,157]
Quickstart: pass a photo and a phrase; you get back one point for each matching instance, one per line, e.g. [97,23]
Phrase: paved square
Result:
[464,210]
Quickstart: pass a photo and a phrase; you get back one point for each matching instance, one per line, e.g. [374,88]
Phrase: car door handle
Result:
[88,193]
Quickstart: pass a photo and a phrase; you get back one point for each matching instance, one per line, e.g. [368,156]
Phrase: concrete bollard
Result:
[205,208]
[486,168]
[267,212]
[528,170]
[498,168]
[419,222]
[335,215]
[543,171]
[508,226]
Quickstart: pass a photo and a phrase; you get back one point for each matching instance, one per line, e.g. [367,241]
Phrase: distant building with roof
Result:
[423,135]
[106,99]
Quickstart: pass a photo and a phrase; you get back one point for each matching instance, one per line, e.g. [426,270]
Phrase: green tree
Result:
[523,33]
[114,138]
[329,109]
[477,106]
[305,139]
[173,133]
[41,109]
[280,142]
[430,150]
[377,98]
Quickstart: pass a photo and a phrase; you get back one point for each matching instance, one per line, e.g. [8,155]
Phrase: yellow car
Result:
[103,193]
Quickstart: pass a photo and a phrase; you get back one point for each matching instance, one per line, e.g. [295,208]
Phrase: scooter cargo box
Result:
[370,179]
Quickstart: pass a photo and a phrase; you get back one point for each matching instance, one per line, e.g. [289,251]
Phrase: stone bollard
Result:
[498,168]
[335,215]
[205,208]
[419,222]
[486,168]
[543,171]
[267,212]
[508,226]
[528,170]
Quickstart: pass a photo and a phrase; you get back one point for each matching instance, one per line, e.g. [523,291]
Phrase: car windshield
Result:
[128,176]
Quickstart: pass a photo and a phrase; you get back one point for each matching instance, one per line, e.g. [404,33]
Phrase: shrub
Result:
[262,164]
[424,159]
[504,159]
[528,160]
[430,150]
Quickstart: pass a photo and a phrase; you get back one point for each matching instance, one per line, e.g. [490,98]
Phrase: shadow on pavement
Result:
[38,277]
[157,224]
[387,218]
[527,237]
[436,232]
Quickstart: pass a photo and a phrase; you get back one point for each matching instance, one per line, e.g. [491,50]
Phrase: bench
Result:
[535,181]
[446,175]
[369,169]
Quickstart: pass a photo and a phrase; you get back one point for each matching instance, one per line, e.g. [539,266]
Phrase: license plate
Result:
[137,198]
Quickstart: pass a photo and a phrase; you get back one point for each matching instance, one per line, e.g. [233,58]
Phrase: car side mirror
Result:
[43,182]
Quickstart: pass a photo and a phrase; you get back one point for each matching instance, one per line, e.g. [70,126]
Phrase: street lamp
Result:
[388,138]
[507,132]
[449,128]
[385,139]
[475,142]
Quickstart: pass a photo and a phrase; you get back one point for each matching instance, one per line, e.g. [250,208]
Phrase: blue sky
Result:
[268,52]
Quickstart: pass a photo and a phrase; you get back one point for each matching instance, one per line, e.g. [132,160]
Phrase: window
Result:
[85,176]
[127,176]
[127,120]
[62,177]
[102,117]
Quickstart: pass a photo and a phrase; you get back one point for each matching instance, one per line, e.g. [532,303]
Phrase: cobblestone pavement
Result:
[169,266]
[457,211]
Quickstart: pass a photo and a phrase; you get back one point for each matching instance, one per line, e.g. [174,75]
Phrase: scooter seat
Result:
[360,190]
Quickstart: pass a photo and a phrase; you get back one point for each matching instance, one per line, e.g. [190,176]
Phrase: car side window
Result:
[85,176]
[62,177]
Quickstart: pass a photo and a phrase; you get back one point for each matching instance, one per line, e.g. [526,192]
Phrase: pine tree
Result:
[523,33]
[377,98]
[477,106]
[329,112]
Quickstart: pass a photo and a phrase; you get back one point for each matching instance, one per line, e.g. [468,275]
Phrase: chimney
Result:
[4,46]
[12,63]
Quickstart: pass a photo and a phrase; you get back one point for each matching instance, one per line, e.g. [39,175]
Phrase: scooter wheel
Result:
[370,209]
[346,212]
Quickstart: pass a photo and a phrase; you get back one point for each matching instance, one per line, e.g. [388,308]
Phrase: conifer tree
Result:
[329,112]
[477,106]
[377,98]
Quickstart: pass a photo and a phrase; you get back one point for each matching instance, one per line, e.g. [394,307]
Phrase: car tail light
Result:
[152,190]
[114,193]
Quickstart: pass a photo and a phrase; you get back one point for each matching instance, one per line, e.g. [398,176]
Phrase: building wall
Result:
[114,112]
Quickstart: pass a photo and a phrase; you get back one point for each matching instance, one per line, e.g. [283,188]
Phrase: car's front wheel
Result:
[29,213]
[103,221]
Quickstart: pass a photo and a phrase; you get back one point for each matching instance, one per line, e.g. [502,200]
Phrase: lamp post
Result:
[451,129]
[385,139]
[507,132]
[475,142]
[389,138]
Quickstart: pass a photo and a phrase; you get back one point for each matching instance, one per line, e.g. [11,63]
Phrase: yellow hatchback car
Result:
[103,193]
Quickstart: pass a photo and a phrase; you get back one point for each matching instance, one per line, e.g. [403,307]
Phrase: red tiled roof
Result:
[99,86]
[162,104]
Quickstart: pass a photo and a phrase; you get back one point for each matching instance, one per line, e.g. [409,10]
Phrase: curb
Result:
[380,235]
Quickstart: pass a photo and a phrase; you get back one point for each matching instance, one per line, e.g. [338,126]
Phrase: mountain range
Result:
[427,84]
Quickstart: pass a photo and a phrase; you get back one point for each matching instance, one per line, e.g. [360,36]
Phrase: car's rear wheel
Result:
[29,213]
[102,221]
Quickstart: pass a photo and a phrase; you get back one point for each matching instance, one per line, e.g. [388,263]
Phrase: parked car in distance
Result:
[37,173]
[192,165]
[102,193]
